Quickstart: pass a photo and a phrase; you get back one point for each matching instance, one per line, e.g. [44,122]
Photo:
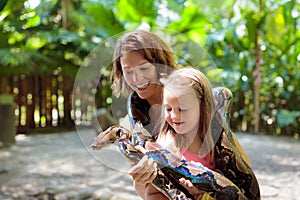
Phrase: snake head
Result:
[108,137]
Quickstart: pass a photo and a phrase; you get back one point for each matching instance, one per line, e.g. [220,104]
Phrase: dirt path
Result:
[276,163]
[63,166]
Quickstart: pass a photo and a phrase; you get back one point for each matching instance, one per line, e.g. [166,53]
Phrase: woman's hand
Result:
[144,171]
[197,193]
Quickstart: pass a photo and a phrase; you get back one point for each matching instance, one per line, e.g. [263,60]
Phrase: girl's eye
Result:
[168,109]
[182,109]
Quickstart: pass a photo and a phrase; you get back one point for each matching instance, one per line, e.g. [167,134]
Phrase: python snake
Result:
[236,181]
[171,168]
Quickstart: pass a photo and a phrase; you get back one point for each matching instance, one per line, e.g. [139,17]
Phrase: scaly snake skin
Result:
[242,183]
[171,168]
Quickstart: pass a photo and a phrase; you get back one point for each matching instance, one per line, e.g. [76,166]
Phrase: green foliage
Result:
[244,39]
[14,58]
[2,4]
[136,11]
[273,27]
[100,20]
[286,118]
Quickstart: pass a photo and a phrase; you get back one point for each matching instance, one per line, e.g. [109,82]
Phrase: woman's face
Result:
[140,75]
[182,111]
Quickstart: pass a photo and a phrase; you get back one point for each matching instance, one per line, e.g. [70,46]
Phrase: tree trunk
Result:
[48,100]
[43,101]
[4,81]
[67,91]
[7,119]
[36,98]
[257,78]
[30,102]
[66,7]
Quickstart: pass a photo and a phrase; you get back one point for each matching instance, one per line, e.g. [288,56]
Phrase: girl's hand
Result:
[197,193]
[144,171]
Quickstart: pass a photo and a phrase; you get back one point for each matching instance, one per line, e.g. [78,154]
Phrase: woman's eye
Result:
[144,68]
[128,73]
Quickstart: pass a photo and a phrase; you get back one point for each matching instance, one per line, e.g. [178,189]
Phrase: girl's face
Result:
[140,75]
[182,111]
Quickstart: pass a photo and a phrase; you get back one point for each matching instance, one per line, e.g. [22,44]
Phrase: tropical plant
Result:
[254,44]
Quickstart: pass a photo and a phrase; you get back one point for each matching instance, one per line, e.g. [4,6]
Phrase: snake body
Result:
[133,155]
[236,179]
[171,167]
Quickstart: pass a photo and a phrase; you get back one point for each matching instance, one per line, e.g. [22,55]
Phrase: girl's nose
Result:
[175,114]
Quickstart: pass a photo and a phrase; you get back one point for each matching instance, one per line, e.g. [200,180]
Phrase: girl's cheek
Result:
[168,119]
[166,115]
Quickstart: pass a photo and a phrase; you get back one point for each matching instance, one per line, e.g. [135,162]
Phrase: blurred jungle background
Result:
[255,44]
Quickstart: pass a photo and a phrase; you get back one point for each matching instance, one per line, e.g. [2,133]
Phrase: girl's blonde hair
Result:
[189,77]
[150,46]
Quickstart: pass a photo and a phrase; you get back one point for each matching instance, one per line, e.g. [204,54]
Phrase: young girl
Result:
[189,113]
[188,110]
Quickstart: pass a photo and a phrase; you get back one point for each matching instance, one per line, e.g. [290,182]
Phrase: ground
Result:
[62,166]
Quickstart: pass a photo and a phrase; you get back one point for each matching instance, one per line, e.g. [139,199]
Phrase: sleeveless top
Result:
[205,161]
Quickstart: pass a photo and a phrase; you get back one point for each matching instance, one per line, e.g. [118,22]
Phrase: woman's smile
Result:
[143,86]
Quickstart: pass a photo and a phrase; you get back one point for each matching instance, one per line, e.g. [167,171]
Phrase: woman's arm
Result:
[143,173]
[140,188]
[151,193]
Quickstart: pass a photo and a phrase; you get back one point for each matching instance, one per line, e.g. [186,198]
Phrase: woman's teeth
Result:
[143,85]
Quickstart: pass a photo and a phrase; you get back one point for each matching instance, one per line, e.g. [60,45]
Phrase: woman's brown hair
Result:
[150,46]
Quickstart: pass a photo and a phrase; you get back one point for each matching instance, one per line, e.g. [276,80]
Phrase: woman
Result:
[141,58]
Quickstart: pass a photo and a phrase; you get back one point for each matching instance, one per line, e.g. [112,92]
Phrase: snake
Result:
[170,167]
[233,179]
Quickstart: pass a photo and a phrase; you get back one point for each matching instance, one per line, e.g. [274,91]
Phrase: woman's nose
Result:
[137,77]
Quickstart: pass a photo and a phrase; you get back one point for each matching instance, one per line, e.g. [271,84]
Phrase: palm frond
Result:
[15,57]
